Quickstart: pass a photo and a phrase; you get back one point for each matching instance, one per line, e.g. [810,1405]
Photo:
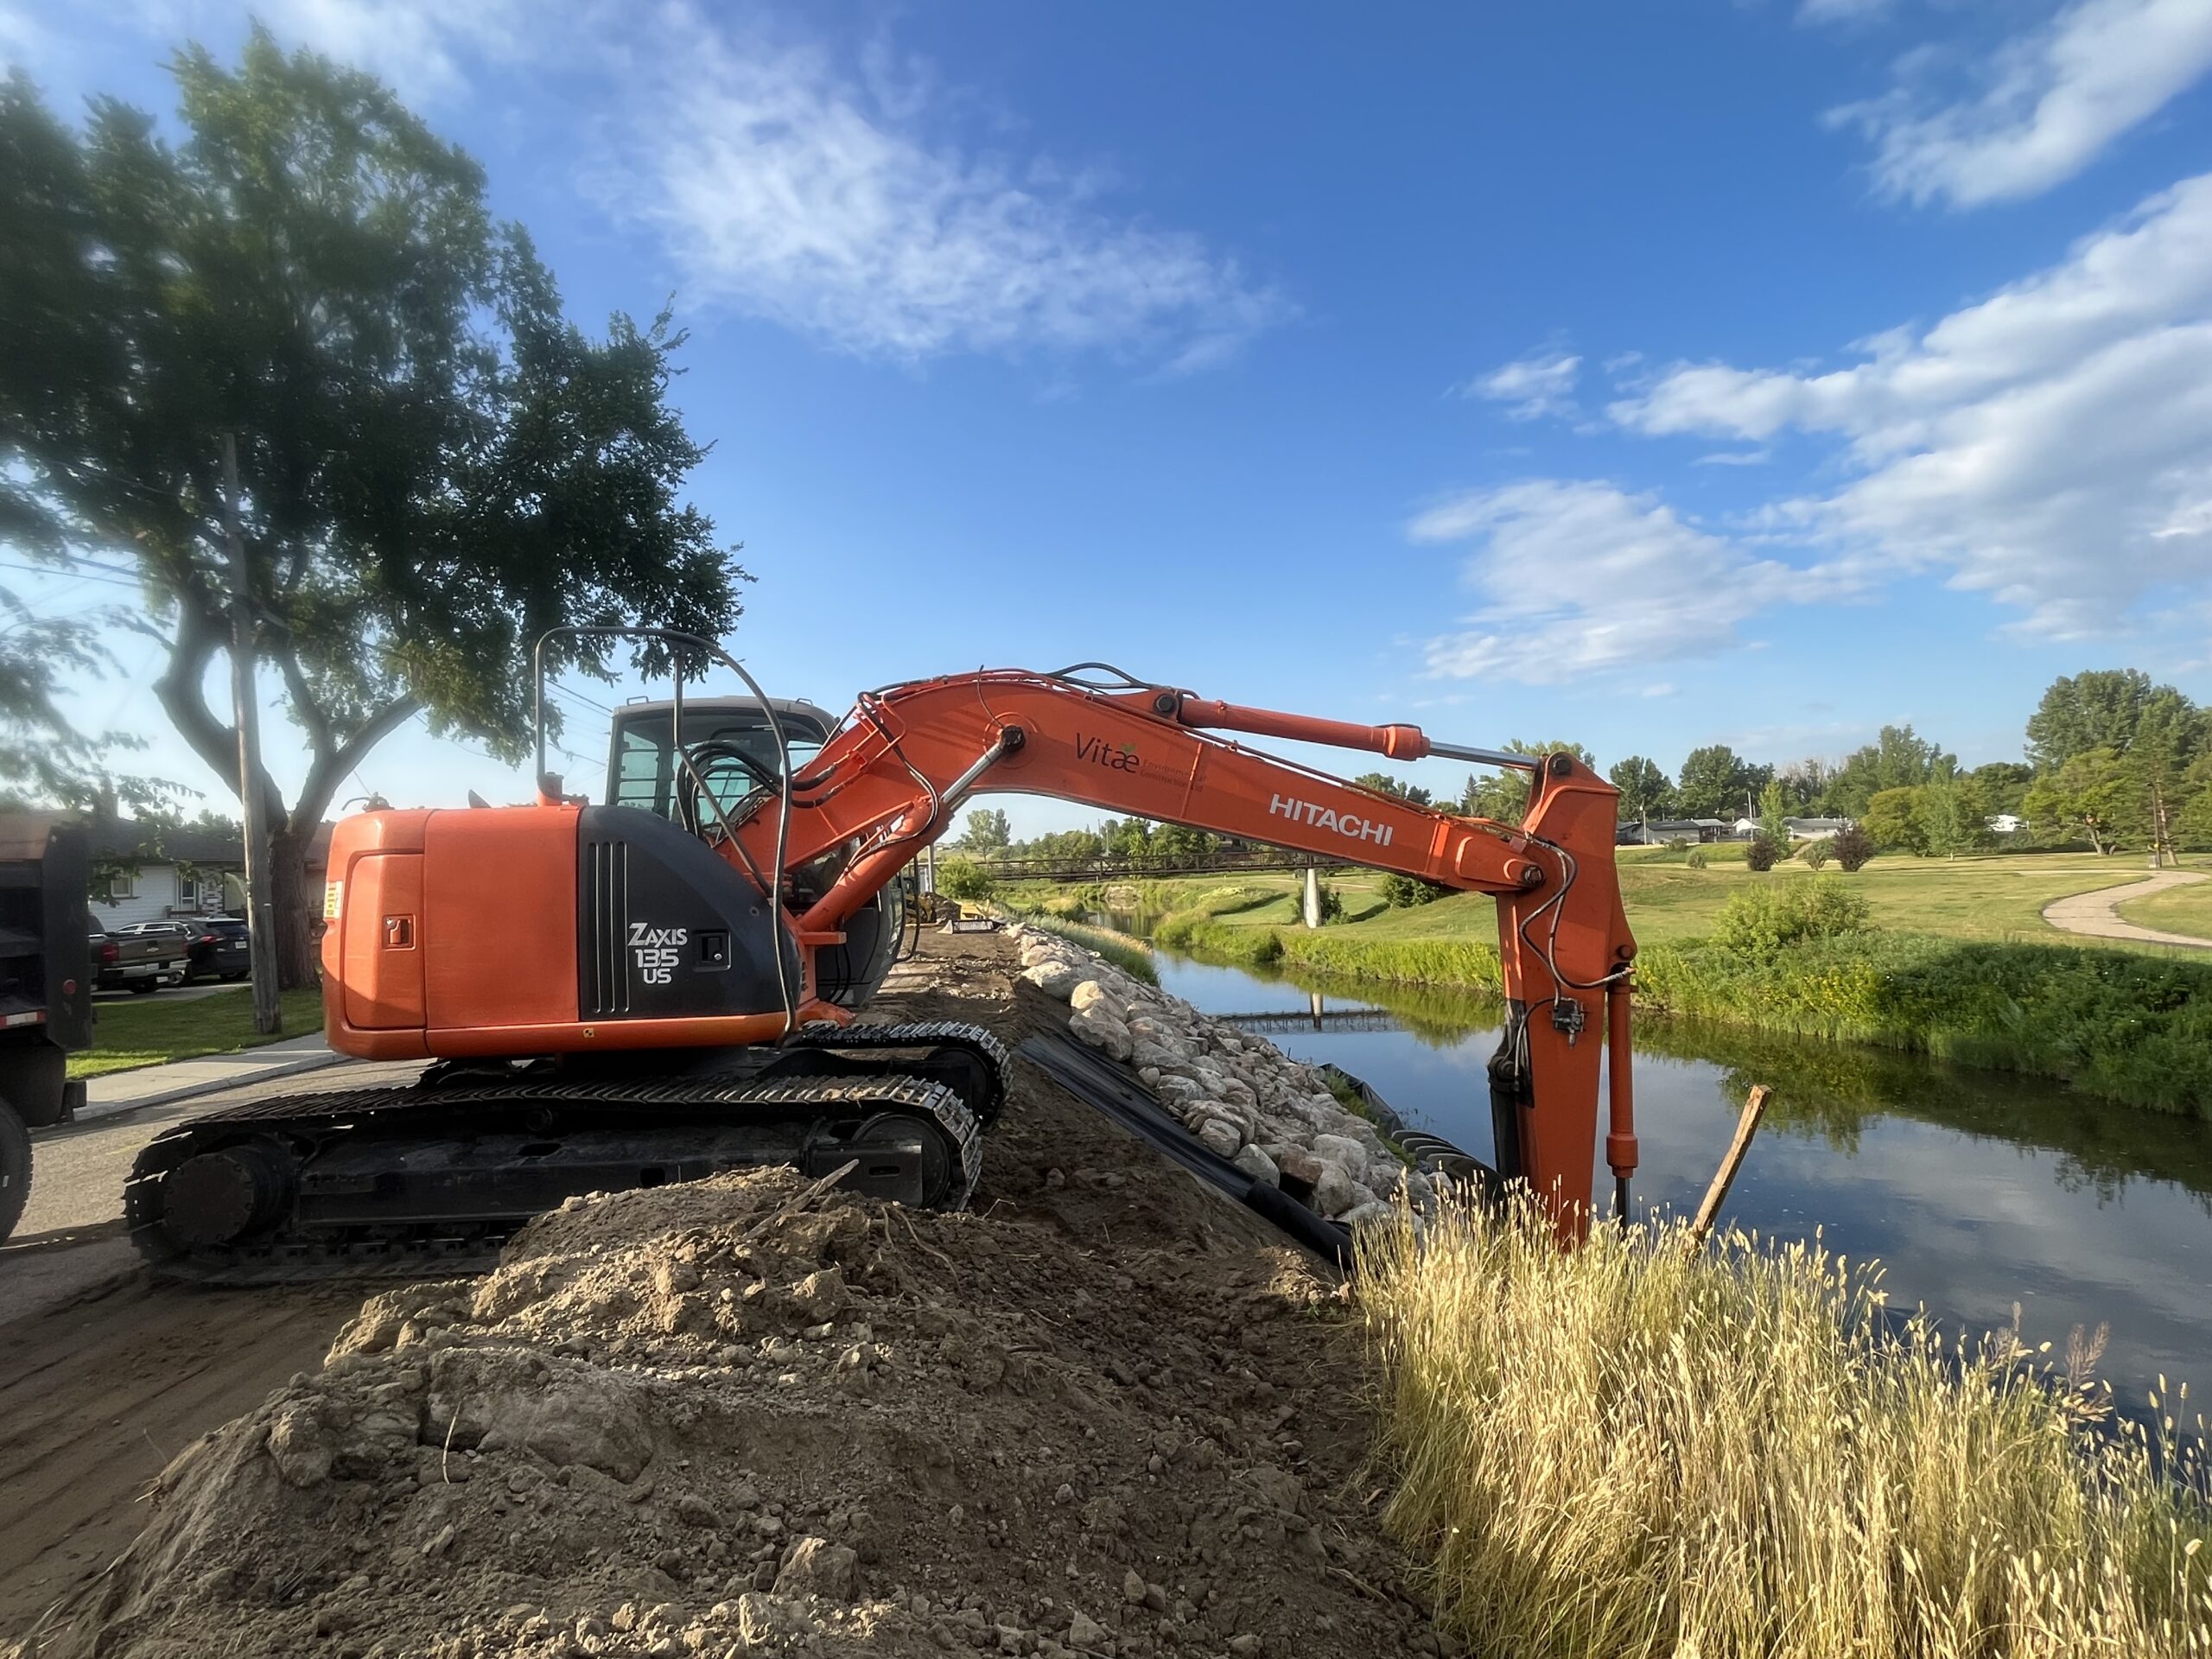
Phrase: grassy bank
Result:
[1132,956]
[1997,898]
[155,1030]
[2130,1028]
[1634,1452]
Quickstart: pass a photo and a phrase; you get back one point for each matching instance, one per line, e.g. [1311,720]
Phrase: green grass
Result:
[154,1030]
[1999,897]
[1640,1450]
[2134,1027]
[2177,910]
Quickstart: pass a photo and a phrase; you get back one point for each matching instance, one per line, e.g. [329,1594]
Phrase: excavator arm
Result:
[893,776]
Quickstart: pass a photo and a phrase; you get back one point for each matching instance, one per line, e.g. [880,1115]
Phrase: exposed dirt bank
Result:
[1107,1412]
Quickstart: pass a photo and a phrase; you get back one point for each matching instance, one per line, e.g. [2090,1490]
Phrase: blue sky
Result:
[1645,374]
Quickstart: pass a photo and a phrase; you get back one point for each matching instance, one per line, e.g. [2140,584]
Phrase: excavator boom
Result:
[623,994]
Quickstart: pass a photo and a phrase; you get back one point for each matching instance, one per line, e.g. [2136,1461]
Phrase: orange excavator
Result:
[664,984]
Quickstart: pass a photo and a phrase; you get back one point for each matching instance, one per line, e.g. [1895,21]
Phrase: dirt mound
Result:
[1102,1414]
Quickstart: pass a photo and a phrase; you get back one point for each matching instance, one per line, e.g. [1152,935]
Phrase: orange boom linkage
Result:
[665,984]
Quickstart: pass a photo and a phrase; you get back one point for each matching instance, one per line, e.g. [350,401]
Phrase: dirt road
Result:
[105,1376]
[2096,914]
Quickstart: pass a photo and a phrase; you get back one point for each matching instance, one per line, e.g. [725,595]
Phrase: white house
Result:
[145,875]
[2006,823]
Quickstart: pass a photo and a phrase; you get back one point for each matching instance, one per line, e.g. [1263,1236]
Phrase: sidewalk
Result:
[158,1085]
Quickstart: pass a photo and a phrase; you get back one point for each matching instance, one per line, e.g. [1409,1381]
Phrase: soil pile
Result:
[1104,1414]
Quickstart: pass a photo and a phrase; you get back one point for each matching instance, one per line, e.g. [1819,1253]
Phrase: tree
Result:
[1892,819]
[2096,793]
[1382,784]
[1403,891]
[988,832]
[1714,781]
[1504,795]
[1773,814]
[1805,782]
[962,878]
[2119,710]
[44,760]
[438,466]
[1179,843]
[1898,759]
[1948,816]
[2003,785]
[1128,839]
[1646,791]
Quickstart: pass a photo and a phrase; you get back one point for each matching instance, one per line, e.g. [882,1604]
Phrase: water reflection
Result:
[1976,1189]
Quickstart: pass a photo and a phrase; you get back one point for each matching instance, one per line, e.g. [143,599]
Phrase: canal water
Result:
[1978,1191]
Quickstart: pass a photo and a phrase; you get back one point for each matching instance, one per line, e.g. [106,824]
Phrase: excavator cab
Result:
[728,773]
[729,744]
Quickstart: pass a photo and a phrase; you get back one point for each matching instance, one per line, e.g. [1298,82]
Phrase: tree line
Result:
[2110,757]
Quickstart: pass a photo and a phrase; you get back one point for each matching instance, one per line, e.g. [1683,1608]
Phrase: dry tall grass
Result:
[1637,1450]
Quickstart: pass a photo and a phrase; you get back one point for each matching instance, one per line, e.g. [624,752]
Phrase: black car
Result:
[214,946]
[219,946]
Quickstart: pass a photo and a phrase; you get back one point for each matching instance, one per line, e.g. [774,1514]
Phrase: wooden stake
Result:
[1747,1125]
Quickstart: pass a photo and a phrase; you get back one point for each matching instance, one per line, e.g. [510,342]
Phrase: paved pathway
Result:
[2097,914]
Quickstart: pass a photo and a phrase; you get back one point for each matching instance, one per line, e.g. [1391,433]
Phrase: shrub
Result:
[1851,846]
[1695,858]
[963,879]
[1762,919]
[1333,903]
[1761,854]
[1816,852]
[1404,892]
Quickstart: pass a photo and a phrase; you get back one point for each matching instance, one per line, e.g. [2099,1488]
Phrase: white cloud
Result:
[1535,386]
[2038,110]
[791,191]
[1578,578]
[2050,446]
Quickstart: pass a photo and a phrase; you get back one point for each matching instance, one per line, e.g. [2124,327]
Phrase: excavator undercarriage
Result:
[664,985]
[401,1181]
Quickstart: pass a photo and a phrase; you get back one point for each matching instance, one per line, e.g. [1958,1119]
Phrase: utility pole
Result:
[260,912]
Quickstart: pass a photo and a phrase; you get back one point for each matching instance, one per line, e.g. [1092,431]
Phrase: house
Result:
[1658,832]
[2006,823]
[1815,829]
[144,874]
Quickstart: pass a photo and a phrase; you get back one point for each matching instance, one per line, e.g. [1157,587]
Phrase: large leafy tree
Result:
[1715,782]
[2099,793]
[988,832]
[1898,759]
[2121,709]
[1645,788]
[438,466]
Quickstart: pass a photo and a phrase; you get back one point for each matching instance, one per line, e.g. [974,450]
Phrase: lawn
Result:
[2177,910]
[1993,898]
[154,1030]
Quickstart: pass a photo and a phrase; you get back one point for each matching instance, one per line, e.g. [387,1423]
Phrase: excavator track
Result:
[982,1082]
[380,1183]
